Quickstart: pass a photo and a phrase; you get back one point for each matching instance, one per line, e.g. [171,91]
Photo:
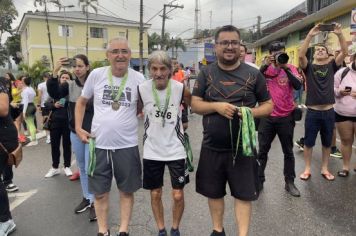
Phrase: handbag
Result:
[47,121]
[15,157]
[297,114]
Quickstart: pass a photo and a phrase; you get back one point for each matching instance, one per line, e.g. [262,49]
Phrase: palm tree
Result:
[85,8]
[175,43]
[153,41]
[44,3]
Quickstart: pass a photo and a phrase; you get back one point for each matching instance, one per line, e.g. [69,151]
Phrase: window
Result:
[65,30]
[97,32]
[122,34]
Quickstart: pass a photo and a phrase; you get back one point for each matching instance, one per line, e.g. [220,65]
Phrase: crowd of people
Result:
[95,114]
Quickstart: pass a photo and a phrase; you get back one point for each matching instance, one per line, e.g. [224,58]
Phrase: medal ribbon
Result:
[121,88]
[157,101]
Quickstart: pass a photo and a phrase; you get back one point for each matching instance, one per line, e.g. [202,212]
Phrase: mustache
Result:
[230,50]
[121,60]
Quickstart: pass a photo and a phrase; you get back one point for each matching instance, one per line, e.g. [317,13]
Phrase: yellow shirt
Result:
[16,95]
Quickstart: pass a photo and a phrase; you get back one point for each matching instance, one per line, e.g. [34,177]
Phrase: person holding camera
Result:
[72,90]
[58,129]
[320,98]
[281,78]
[345,111]
[8,138]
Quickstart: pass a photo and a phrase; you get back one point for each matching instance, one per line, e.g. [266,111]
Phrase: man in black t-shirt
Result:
[320,98]
[218,90]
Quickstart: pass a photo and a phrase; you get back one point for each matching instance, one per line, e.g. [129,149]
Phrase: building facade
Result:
[68,34]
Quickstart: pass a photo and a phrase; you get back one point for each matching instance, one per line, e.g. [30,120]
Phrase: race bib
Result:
[170,117]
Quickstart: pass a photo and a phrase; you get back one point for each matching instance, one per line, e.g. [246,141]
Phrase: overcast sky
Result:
[245,12]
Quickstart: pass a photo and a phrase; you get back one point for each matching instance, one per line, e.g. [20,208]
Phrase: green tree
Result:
[13,47]
[35,71]
[86,4]
[153,41]
[175,44]
[8,13]
[44,3]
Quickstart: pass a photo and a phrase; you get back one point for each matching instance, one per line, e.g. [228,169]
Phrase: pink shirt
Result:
[280,90]
[345,105]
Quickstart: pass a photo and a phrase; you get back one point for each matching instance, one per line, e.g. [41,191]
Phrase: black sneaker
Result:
[292,189]
[216,233]
[82,206]
[300,144]
[162,232]
[175,232]
[104,234]
[92,214]
[123,234]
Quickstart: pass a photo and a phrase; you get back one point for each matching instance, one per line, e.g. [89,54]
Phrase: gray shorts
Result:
[124,164]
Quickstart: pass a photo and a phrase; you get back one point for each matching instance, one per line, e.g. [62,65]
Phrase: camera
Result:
[281,58]
[326,27]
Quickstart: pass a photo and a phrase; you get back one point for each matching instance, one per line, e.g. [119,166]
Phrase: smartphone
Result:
[326,27]
[69,63]
[348,89]
[62,101]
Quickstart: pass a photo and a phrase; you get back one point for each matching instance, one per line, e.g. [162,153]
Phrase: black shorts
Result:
[341,118]
[216,168]
[153,172]
[45,111]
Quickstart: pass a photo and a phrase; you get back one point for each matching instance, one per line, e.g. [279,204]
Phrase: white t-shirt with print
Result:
[43,88]
[113,129]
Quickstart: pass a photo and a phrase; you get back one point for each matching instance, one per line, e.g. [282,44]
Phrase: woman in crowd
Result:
[73,90]
[59,129]
[345,112]
[28,95]
[8,138]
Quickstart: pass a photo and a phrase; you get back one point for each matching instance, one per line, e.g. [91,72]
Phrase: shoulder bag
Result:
[15,157]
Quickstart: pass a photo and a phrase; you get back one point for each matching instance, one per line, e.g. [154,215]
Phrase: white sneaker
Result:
[52,172]
[48,140]
[32,143]
[7,227]
[67,171]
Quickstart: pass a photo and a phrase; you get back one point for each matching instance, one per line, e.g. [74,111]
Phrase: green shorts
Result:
[124,164]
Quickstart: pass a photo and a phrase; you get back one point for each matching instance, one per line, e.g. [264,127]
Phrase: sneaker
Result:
[123,234]
[92,214]
[82,206]
[292,189]
[52,172]
[11,188]
[75,176]
[216,233]
[104,234]
[162,232]
[7,227]
[32,143]
[175,232]
[67,171]
[48,140]
[335,152]
[300,144]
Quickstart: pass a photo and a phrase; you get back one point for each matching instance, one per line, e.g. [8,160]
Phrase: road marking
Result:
[20,198]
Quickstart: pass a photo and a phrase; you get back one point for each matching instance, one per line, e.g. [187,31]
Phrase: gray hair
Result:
[118,39]
[160,57]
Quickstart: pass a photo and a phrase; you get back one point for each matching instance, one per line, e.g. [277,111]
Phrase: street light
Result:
[59,5]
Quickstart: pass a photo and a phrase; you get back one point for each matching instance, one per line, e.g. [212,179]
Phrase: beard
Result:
[232,61]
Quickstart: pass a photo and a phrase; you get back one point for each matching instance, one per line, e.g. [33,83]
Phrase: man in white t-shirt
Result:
[164,138]
[43,95]
[114,129]
[243,51]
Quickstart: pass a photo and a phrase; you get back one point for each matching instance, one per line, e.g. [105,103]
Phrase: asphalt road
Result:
[44,207]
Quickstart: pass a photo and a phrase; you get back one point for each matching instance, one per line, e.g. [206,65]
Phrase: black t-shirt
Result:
[320,83]
[8,132]
[244,86]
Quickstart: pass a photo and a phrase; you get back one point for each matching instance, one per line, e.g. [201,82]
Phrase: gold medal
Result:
[115,105]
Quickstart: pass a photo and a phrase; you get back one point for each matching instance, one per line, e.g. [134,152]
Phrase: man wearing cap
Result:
[281,79]
[320,98]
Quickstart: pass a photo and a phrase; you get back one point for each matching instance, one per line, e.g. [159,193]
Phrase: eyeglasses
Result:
[118,51]
[226,43]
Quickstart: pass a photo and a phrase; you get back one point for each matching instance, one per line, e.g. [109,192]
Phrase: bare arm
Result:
[79,115]
[343,52]
[4,104]
[187,97]
[263,109]
[303,61]
[202,107]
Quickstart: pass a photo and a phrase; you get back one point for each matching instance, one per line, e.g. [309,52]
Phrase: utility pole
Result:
[232,5]
[164,16]
[196,18]
[259,27]
[141,36]
[211,16]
